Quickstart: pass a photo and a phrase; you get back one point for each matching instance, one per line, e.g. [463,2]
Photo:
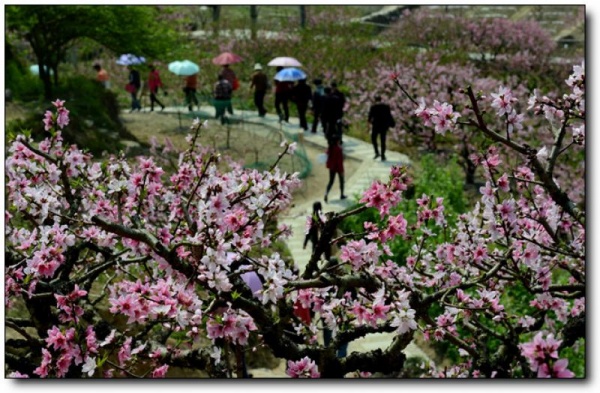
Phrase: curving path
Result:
[368,171]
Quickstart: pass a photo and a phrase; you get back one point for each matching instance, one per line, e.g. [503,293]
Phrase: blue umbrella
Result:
[290,75]
[130,59]
[184,68]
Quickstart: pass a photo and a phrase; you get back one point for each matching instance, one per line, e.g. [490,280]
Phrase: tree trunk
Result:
[303,16]
[216,15]
[45,77]
[54,69]
[253,21]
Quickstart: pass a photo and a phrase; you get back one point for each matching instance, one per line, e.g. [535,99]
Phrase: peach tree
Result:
[119,269]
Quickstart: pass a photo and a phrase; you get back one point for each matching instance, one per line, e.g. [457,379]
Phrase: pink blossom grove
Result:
[120,268]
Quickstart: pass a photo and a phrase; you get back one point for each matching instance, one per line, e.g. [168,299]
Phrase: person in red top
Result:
[102,76]
[335,164]
[229,74]
[154,83]
[191,83]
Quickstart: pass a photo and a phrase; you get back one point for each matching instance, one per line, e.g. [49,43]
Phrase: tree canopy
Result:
[52,29]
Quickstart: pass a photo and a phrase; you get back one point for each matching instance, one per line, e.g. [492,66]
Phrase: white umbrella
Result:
[184,68]
[284,62]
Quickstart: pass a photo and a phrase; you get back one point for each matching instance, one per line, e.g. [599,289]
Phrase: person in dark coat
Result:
[302,95]
[282,95]
[222,98]
[317,103]
[339,111]
[335,164]
[329,114]
[259,83]
[380,119]
[315,226]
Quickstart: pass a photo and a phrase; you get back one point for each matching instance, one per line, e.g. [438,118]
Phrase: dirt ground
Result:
[244,144]
[13,111]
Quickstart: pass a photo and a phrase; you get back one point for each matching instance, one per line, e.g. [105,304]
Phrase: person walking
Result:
[317,104]
[154,82]
[302,95]
[380,118]
[282,95]
[222,98]
[102,76]
[329,114]
[259,83]
[314,226]
[335,164]
[229,74]
[189,88]
[133,87]
[339,110]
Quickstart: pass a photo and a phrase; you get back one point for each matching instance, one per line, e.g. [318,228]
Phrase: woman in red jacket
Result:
[154,83]
[335,164]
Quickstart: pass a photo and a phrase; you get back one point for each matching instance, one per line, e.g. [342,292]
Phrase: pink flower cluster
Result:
[71,311]
[61,118]
[441,116]
[165,298]
[232,325]
[542,355]
[384,196]
[303,368]
[63,351]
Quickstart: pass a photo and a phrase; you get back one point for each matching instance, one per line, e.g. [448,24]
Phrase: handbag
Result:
[236,84]
[391,121]
[130,88]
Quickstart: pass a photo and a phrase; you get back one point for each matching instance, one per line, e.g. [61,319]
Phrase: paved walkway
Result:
[368,171]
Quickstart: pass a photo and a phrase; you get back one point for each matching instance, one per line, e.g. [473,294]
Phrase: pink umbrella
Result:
[226,58]
[284,62]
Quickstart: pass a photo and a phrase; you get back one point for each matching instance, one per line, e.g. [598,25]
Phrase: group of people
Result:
[327,104]
[379,118]
[134,85]
[222,92]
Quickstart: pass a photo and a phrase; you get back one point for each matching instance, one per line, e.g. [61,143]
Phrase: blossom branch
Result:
[555,192]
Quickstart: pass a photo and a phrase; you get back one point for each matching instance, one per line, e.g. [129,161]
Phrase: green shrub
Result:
[23,85]
[94,117]
[431,178]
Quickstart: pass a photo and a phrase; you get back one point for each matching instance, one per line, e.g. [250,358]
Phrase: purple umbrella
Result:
[250,278]
[253,281]
[130,59]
